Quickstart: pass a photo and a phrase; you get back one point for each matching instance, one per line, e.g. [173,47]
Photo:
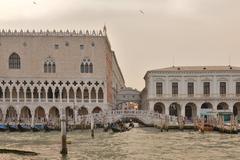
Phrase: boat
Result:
[119,127]
[24,128]
[3,128]
[12,128]
[38,128]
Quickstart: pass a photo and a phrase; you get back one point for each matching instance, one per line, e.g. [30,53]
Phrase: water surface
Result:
[137,144]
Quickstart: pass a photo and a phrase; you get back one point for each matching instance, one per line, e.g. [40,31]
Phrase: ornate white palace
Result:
[190,91]
[43,72]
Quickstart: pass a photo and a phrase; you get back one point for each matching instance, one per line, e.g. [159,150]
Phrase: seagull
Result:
[141,11]
[34,2]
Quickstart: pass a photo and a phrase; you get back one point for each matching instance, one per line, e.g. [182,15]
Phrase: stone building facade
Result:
[190,91]
[44,72]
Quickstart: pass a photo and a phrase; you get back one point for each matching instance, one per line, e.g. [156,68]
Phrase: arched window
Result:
[49,65]
[82,68]
[86,66]
[100,95]
[14,61]
[90,68]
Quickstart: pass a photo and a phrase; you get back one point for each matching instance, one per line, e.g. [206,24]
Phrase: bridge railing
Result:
[146,117]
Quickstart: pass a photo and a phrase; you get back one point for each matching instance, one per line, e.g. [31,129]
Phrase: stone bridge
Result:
[141,116]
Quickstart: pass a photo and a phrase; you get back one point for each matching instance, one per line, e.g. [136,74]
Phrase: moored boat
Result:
[3,128]
[12,128]
[24,128]
[38,128]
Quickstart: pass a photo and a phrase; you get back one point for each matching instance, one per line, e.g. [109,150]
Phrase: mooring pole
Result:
[92,126]
[64,151]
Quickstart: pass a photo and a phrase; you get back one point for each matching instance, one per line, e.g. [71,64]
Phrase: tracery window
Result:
[49,65]
[14,61]
[86,66]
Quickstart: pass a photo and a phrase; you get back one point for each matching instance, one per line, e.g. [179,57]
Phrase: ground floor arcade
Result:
[30,114]
[194,109]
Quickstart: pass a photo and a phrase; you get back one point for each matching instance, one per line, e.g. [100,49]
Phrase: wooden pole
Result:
[92,126]
[64,150]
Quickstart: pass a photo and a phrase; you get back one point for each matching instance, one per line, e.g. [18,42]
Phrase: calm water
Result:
[137,144]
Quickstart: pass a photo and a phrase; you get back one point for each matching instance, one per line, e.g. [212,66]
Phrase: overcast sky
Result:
[192,32]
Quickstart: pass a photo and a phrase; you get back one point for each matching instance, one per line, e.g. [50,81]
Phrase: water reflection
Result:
[139,143]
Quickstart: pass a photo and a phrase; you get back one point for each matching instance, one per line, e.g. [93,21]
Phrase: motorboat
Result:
[24,128]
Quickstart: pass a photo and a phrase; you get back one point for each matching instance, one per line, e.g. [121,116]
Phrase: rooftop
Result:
[198,68]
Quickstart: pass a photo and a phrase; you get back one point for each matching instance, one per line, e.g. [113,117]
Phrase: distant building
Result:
[190,91]
[43,72]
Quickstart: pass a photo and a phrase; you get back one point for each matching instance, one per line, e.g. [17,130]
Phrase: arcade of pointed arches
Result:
[191,108]
[52,91]
[39,114]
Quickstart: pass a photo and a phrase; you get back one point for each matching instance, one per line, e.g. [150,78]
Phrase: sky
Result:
[170,32]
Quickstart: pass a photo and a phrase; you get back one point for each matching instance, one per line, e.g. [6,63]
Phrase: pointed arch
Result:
[14,94]
[45,68]
[43,94]
[54,115]
[69,113]
[79,95]
[7,94]
[86,68]
[86,95]
[11,115]
[93,95]
[90,68]
[100,95]
[14,61]
[28,94]
[21,94]
[82,111]
[50,94]
[49,68]
[57,94]
[25,115]
[64,94]
[82,68]
[39,115]
[71,95]
[53,67]
[35,94]
[97,110]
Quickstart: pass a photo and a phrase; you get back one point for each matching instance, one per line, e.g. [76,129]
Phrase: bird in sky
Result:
[34,2]
[141,11]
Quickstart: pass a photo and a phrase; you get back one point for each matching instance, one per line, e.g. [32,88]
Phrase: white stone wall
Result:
[182,78]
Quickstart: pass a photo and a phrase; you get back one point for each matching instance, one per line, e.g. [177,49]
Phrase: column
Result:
[33,118]
[10,90]
[18,95]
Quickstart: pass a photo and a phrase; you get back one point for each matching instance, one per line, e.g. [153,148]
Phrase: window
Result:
[190,88]
[222,88]
[159,88]
[174,88]
[14,61]
[206,88]
[86,66]
[56,46]
[49,65]
[81,46]
[237,88]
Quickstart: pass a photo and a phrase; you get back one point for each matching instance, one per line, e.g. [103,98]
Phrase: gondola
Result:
[24,128]
[3,128]
[37,128]
[12,128]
